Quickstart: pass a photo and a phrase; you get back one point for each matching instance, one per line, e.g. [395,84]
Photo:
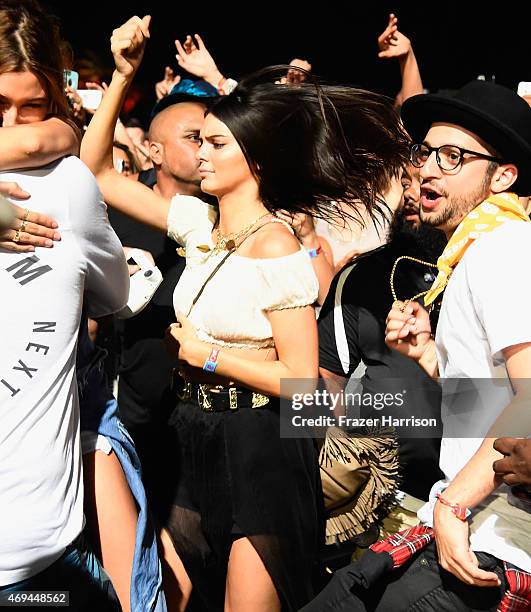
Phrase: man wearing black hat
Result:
[474,154]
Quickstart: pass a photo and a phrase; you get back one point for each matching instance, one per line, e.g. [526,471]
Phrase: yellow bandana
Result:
[483,219]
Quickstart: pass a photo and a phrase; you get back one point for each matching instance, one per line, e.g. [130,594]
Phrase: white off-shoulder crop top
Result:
[231,309]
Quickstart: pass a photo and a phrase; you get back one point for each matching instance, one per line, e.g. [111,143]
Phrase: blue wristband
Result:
[211,363]
[314,252]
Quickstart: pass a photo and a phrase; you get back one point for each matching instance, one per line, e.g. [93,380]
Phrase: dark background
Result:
[453,41]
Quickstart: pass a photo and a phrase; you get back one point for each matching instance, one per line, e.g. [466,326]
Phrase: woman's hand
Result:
[128,43]
[28,229]
[181,338]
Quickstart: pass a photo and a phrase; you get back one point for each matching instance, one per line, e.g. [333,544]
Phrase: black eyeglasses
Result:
[449,157]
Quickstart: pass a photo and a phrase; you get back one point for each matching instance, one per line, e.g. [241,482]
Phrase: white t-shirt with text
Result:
[42,294]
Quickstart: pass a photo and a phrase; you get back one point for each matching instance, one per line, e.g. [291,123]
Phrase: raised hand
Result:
[391,42]
[195,58]
[163,88]
[93,85]
[128,43]
[295,76]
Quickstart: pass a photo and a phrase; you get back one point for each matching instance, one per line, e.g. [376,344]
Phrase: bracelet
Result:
[314,252]
[211,363]
[462,512]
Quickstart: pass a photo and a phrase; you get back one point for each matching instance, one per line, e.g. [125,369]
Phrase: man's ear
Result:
[503,178]
[155,153]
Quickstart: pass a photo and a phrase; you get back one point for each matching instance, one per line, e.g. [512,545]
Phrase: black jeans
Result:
[421,584]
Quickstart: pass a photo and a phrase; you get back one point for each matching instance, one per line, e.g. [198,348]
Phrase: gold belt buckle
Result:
[202,398]
[233,398]
[259,400]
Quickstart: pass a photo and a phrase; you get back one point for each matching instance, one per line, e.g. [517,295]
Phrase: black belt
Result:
[218,398]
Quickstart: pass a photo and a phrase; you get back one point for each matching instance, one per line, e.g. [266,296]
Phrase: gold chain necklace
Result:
[392,278]
[228,242]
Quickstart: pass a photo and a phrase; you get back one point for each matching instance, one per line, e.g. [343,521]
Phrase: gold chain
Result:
[392,278]
[228,242]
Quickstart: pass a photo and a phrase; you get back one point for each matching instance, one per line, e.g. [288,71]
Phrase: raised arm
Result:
[163,87]
[130,197]
[197,60]
[392,43]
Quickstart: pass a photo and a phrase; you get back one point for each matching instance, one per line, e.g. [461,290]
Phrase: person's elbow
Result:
[40,146]
[34,147]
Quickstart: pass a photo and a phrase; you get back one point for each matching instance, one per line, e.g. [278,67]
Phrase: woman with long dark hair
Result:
[247,518]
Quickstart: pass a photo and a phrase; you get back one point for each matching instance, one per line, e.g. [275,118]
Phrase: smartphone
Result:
[524,88]
[91,98]
[71,78]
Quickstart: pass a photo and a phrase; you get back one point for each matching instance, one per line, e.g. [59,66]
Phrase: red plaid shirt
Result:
[403,545]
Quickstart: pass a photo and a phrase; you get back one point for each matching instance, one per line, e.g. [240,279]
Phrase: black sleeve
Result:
[330,338]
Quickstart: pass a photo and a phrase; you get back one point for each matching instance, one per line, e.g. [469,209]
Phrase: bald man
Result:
[173,144]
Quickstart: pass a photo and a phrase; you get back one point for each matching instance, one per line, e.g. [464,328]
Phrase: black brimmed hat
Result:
[498,115]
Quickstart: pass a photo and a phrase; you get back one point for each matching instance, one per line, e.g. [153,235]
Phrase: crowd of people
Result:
[169,289]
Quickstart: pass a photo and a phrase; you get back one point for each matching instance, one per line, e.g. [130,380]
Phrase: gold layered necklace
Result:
[392,278]
[227,242]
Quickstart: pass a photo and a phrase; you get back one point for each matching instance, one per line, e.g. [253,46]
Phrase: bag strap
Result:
[211,275]
[214,271]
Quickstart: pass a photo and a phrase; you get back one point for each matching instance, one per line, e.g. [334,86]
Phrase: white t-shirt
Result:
[486,308]
[42,293]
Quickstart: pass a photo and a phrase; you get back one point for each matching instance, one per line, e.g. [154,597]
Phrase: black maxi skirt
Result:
[234,476]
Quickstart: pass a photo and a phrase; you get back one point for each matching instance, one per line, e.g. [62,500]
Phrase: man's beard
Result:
[457,207]
[425,241]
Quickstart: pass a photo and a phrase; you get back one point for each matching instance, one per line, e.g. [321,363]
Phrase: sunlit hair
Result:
[311,146]
[30,42]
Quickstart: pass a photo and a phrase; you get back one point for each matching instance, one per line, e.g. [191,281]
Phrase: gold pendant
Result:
[203,248]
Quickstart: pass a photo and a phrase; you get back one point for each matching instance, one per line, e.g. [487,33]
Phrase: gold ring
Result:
[26,215]
[22,227]
[17,236]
